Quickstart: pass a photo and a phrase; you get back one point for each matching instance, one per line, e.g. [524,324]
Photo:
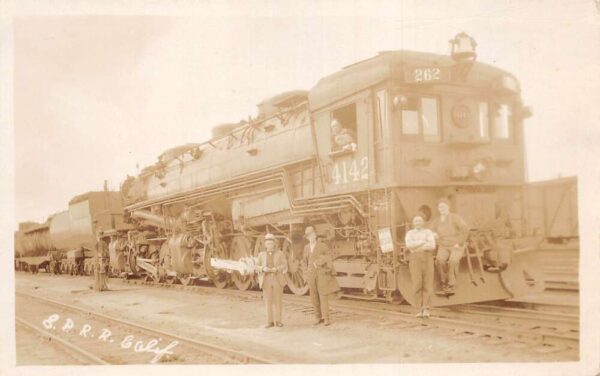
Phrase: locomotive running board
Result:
[521,278]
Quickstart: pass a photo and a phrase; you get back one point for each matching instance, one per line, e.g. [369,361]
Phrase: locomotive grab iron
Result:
[356,156]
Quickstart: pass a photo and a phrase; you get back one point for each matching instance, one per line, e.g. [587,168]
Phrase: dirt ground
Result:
[33,349]
[237,323]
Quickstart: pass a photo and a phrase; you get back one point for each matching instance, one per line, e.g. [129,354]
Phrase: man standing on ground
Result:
[421,244]
[321,279]
[451,232]
[271,266]
[99,264]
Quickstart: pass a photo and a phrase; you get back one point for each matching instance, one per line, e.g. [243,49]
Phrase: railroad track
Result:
[82,356]
[127,343]
[539,331]
[560,264]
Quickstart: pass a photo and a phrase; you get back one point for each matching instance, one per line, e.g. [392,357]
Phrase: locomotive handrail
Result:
[193,193]
[298,206]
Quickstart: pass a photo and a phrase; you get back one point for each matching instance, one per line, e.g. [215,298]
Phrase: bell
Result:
[463,47]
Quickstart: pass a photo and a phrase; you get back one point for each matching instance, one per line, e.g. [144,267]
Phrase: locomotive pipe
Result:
[246,181]
[149,217]
[309,205]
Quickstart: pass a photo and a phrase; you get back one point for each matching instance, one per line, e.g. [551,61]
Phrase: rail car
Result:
[66,242]
[411,127]
[551,209]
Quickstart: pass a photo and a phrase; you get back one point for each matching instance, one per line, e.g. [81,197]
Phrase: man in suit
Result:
[271,266]
[321,275]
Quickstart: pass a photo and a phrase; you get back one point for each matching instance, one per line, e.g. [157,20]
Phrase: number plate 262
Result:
[427,74]
[344,172]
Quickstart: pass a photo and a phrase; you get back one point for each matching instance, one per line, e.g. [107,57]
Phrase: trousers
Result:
[273,295]
[447,260]
[420,265]
[320,301]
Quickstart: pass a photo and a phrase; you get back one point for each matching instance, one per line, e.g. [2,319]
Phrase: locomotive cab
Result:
[427,126]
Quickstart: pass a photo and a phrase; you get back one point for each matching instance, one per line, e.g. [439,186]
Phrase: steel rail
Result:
[215,350]
[520,312]
[91,358]
[497,329]
[465,326]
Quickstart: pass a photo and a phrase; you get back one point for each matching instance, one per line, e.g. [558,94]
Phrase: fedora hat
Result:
[269,236]
[309,230]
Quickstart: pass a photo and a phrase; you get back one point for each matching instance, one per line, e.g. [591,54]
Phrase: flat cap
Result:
[444,200]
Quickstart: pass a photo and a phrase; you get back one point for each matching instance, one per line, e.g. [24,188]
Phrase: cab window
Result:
[420,119]
[484,120]
[429,119]
[342,128]
[410,117]
[502,121]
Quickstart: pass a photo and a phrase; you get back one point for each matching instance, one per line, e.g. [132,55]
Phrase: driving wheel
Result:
[295,276]
[240,247]
[218,277]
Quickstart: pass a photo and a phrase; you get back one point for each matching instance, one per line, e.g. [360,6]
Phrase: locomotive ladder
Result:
[477,242]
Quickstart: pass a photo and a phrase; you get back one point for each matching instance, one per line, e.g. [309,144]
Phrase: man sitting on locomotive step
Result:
[271,266]
[451,233]
[341,138]
[421,243]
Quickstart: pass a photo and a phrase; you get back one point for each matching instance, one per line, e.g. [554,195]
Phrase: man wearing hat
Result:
[321,275]
[271,266]
[451,232]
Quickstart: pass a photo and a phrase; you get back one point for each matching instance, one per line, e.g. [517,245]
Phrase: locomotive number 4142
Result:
[350,171]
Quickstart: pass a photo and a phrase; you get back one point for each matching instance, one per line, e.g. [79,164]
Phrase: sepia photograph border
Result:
[588,173]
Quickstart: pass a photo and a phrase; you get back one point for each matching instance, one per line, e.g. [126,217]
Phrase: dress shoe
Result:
[279,324]
[419,314]
[317,322]
[326,322]
[425,314]
[269,325]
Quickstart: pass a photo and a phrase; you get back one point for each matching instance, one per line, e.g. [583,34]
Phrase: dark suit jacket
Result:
[279,262]
[320,268]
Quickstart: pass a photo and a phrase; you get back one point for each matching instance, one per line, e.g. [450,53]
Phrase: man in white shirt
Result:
[420,242]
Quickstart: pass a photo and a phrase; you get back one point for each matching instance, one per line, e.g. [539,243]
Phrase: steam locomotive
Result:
[417,127]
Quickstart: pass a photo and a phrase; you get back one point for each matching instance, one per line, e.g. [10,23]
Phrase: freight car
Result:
[552,209]
[356,156]
[66,242]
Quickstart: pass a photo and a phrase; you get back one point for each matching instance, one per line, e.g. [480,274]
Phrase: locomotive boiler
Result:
[410,128]
[67,240]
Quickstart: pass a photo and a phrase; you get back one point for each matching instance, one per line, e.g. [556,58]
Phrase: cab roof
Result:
[387,65]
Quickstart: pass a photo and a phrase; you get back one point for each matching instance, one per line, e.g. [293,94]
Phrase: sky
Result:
[97,96]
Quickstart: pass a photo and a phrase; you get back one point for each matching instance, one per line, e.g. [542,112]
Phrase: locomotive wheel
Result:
[218,277]
[131,259]
[188,280]
[158,276]
[296,268]
[240,247]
